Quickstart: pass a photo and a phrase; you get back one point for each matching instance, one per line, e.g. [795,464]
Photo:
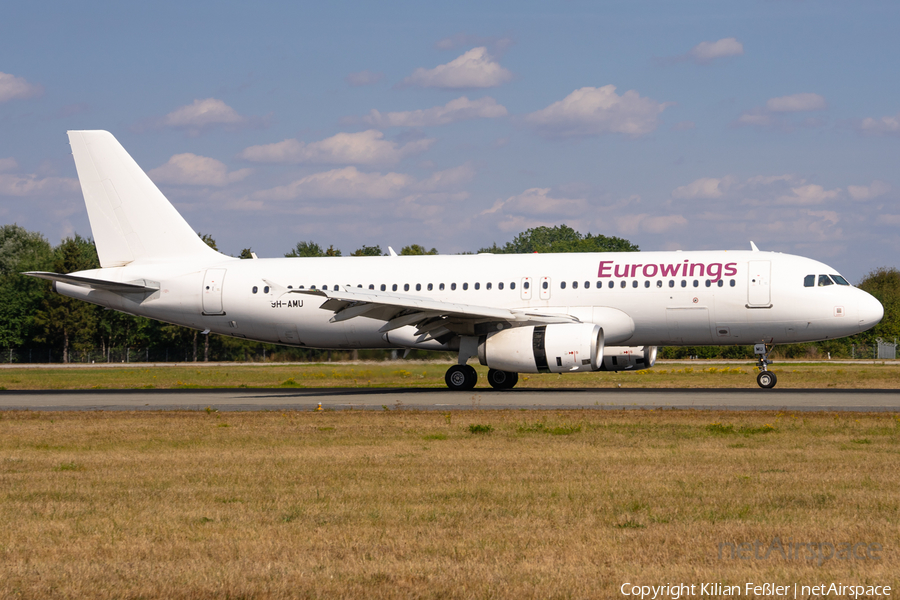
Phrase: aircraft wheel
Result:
[502,380]
[766,379]
[461,377]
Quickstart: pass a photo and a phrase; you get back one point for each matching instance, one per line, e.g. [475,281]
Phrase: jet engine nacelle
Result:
[562,348]
[623,358]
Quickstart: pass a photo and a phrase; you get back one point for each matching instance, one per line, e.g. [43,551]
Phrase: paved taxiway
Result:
[440,399]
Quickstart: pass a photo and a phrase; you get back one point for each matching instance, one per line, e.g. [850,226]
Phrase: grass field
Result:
[403,504]
[422,374]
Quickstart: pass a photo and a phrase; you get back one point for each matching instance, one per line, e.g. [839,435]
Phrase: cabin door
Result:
[212,292]
[759,293]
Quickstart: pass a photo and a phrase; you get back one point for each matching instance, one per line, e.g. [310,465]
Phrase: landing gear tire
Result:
[766,379]
[502,380]
[461,377]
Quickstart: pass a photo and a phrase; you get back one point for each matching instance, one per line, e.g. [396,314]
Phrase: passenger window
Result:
[266,290]
[721,282]
[840,280]
[290,287]
[371,286]
[526,285]
[465,286]
[611,285]
[562,285]
[696,283]
[731,283]
[634,283]
[647,283]
[430,287]
[622,284]
[599,285]
[405,287]
[825,280]
[545,285]
[671,283]
[312,287]
[453,286]
[659,283]
[383,287]
[488,285]
[574,285]
[394,287]
[683,283]
[477,286]
[255,289]
[325,287]
[587,285]
[418,287]
[512,285]
[809,281]
[299,287]
[441,287]
[499,285]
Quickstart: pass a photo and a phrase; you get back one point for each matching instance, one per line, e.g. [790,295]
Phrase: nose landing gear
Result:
[766,378]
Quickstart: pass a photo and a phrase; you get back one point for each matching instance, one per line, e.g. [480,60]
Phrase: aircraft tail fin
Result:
[131,219]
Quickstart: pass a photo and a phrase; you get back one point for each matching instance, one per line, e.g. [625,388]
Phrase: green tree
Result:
[246,253]
[311,249]
[20,250]
[62,321]
[208,240]
[561,238]
[416,250]
[368,251]
[884,284]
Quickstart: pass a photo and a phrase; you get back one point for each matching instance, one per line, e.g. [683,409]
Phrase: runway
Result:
[440,399]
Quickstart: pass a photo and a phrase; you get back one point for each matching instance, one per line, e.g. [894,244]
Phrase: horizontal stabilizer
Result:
[97,284]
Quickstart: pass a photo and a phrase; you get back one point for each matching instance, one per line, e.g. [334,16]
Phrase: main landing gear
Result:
[766,378]
[462,378]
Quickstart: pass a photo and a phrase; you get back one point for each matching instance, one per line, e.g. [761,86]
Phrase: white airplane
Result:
[532,313]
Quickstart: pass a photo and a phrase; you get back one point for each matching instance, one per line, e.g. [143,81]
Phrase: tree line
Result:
[37,325]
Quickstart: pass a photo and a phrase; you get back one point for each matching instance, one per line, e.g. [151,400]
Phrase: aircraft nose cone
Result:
[870,311]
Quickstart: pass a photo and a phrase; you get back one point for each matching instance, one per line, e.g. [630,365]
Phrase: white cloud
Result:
[863,192]
[363,148]
[706,52]
[809,194]
[362,78]
[595,111]
[448,178]
[538,202]
[190,169]
[460,40]
[17,88]
[703,188]
[889,125]
[796,103]
[474,69]
[202,115]
[459,109]
[346,183]
[32,185]
[8,164]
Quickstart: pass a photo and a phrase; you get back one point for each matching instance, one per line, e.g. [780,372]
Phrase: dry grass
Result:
[413,374]
[557,504]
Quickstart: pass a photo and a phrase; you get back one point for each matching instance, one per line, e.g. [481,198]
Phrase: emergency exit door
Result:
[759,292]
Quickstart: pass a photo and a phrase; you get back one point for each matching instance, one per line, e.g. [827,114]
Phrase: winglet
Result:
[391,251]
[753,247]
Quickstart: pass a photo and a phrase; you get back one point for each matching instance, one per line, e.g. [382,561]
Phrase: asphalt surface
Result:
[441,399]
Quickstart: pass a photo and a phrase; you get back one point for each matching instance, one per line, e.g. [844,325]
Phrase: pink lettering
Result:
[623,274]
[653,274]
[670,270]
[634,268]
[604,268]
[714,270]
[730,269]
[702,267]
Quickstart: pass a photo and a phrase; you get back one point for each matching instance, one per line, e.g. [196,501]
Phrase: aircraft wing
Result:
[430,316]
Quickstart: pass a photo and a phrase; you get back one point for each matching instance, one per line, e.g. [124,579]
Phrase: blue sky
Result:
[688,125]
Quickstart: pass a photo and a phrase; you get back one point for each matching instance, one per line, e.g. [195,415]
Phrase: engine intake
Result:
[624,358]
[562,348]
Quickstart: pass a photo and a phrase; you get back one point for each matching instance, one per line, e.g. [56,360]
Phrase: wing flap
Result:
[96,284]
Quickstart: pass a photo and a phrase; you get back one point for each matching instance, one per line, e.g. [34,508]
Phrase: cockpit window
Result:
[840,280]
[825,280]
[809,281]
